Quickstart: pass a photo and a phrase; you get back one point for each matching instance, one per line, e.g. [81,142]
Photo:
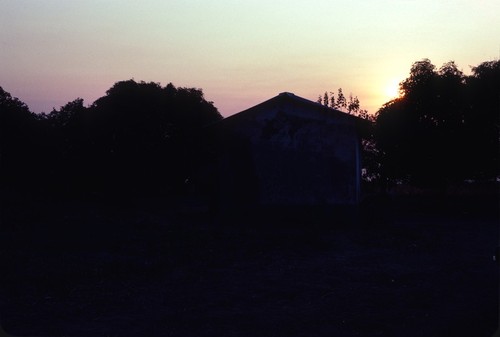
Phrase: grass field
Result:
[419,268]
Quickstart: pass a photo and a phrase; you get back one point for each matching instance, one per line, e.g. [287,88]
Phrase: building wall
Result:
[300,154]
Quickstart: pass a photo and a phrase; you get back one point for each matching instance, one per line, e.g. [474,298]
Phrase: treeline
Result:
[138,139]
[142,139]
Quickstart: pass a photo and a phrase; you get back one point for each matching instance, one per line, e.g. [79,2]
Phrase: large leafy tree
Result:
[146,133]
[434,133]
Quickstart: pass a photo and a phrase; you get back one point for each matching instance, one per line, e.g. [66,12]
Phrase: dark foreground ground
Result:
[421,268]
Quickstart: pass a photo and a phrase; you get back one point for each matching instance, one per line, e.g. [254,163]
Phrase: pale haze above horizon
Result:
[239,52]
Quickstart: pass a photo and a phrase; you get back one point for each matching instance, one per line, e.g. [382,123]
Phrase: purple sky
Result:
[239,52]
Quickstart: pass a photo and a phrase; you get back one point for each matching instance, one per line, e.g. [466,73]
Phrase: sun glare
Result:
[392,89]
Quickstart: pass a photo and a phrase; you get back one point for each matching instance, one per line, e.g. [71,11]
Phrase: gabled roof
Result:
[287,97]
[290,99]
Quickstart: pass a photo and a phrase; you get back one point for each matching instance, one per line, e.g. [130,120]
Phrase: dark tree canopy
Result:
[15,118]
[145,132]
[138,139]
[18,145]
[444,126]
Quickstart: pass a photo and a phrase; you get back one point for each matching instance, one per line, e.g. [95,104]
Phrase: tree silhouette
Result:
[352,107]
[146,134]
[140,139]
[431,135]
[18,146]
[66,150]
[341,101]
[483,120]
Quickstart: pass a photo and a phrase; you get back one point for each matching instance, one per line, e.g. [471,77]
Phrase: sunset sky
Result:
[239,52]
